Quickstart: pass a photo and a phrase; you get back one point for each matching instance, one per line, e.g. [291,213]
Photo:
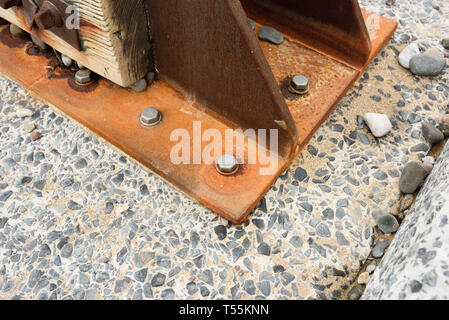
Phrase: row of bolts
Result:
[227,164]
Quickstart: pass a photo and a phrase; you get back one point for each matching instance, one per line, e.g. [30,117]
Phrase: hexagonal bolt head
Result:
[227,164]
[150,117]
[83,77]
[300,84]
[6,4]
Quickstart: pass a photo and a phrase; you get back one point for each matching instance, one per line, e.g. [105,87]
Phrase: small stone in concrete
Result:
[445,43]
[427,65]
[29,127]
[355,293]
[415,286]
[24,113]
[67,61]
[379,248]
[413,176]
[406,202]
[16,32]
[158,280]
[36,135]
[363,278]
[379,124]
[431,133]
[387,224]
[67,250]
[140,86]
[407,54]
[371,267]
[271,35]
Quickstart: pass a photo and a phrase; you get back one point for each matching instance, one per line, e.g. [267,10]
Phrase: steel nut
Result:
[150,117]
[6,4]
[83,77]
[300,84]
[227,164]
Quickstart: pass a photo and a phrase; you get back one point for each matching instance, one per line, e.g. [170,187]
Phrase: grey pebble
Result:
[356,292]
[380,247]
[67,250]
[141,275]
[427,65]
[140,86]
[72,205]
[221,232]
[415,286]
[168,294]
[271,35]
[387,224]
[158,280]
[431,133]
[264,249]
[412,177]
[45,251]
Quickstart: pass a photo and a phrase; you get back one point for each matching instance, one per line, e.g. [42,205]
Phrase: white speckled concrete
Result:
[416,266]
[79,220]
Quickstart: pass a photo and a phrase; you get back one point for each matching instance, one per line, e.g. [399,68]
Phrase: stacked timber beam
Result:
[114,38]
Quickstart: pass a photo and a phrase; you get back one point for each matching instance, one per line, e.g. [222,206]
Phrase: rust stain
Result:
[10,42]
[113,113]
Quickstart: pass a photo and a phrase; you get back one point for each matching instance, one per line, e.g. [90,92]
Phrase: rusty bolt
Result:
[299,84]
[48,17]
[227,164]
[150,117]
[83,77]
[6,4]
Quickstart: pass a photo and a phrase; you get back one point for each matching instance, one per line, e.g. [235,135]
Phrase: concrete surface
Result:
[80,220]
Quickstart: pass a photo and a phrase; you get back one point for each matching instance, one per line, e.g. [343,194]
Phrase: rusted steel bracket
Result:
[214,71]
[49,15]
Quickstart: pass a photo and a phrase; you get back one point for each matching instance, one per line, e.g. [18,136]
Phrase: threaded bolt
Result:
[150,117]
[83,77]
[299,84]
[227,164]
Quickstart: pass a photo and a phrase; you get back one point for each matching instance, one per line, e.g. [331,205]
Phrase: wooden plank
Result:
[114,37]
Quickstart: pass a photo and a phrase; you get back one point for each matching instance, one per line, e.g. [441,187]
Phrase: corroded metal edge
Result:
[113,113]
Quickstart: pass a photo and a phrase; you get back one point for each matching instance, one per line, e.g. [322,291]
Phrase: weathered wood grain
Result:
[114,38]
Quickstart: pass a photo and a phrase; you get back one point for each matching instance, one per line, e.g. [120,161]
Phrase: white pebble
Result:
[406,54]
[24,113]
[379,124]
[29,127]
[371,267]
[363,278]
[429,159]
[66,60]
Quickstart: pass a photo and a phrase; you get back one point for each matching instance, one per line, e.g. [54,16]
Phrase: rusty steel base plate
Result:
[113,113]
